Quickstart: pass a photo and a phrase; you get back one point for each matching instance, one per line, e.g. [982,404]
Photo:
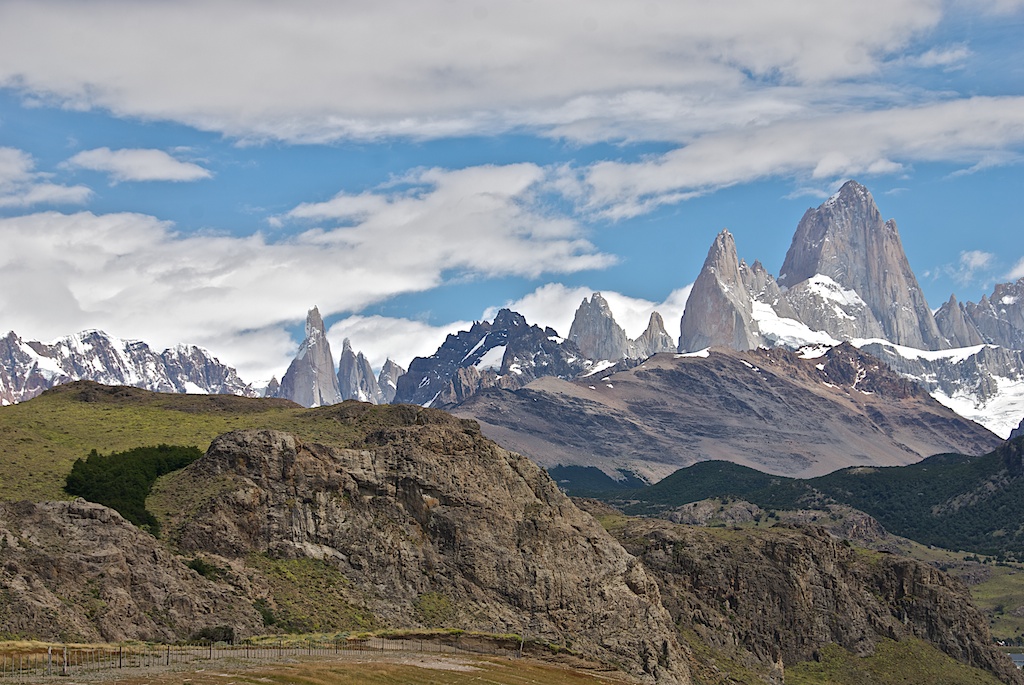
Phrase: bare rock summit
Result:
[719,312]
[846,242]
[310,379]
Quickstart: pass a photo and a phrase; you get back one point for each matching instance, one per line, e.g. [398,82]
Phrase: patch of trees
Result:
[123,480]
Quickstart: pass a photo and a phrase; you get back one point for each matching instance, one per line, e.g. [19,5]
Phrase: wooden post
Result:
[64,668]
[120,657]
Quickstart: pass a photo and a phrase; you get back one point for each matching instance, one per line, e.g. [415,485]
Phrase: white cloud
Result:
[322,70]
[820,148]
[381,337]
[131,274]
[22,186]
[555,304]
[1017,271]
[971,262]
[138,165]
[946,57]
[484,219]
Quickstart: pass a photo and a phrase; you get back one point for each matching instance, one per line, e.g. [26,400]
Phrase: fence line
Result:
[64,660]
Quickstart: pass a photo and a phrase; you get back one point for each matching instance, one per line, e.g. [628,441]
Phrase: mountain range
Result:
[845,278]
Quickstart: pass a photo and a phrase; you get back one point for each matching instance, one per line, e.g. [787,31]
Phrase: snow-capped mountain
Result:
[310,379]
[846,240]
[506,353]
[27,368]
[846,278]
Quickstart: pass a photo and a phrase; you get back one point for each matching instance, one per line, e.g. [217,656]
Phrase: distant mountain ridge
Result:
[27,368]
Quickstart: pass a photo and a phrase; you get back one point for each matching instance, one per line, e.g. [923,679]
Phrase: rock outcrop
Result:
[387,381]
[595,332]
[506,353]
[27,368]
[654,339]
[1018,431]
[768,599]
[846,240]
[78,572]
[355,377]
[425,506]
[719,312]
[310,379]
[956,326]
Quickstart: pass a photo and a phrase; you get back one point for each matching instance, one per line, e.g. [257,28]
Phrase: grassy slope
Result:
[40,439]
[911,662]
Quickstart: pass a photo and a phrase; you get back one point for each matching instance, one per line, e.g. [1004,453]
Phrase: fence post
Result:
[64,666]
[120,657]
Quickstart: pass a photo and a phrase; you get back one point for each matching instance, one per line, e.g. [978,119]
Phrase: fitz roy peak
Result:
[310,379]
[846,242]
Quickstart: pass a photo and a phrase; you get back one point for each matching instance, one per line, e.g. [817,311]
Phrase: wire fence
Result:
[29,666]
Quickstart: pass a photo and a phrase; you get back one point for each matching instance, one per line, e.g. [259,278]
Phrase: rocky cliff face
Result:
[77,571]
[387,381]
[1018,431]
[355,377]
[846,240]
[767,599]
[310,379]
[719,312]
[956,326]
[1000,318]
[507,353]
[424,506]
[27,368]
[596,333]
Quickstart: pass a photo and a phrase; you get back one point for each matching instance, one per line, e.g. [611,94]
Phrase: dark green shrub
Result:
[122,480]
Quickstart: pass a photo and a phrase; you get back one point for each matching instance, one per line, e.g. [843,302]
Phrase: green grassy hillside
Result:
[40,439]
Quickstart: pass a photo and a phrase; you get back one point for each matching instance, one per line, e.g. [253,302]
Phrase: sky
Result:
[205,171]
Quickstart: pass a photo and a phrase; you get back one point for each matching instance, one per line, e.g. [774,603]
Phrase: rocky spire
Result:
[955,325]
[387,381]
[596,333]
[310,379]
[846,241]
[719,311]
[655,339]
[355,377]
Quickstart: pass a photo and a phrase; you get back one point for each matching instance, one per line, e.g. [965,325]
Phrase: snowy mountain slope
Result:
[27,368]
[507,353]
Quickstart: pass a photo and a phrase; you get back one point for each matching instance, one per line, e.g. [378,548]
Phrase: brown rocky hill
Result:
[413,518]
[766,599]
[78,571]
[772,410]
[425,510]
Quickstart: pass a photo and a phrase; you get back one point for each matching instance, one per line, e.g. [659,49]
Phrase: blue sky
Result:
[204,172]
